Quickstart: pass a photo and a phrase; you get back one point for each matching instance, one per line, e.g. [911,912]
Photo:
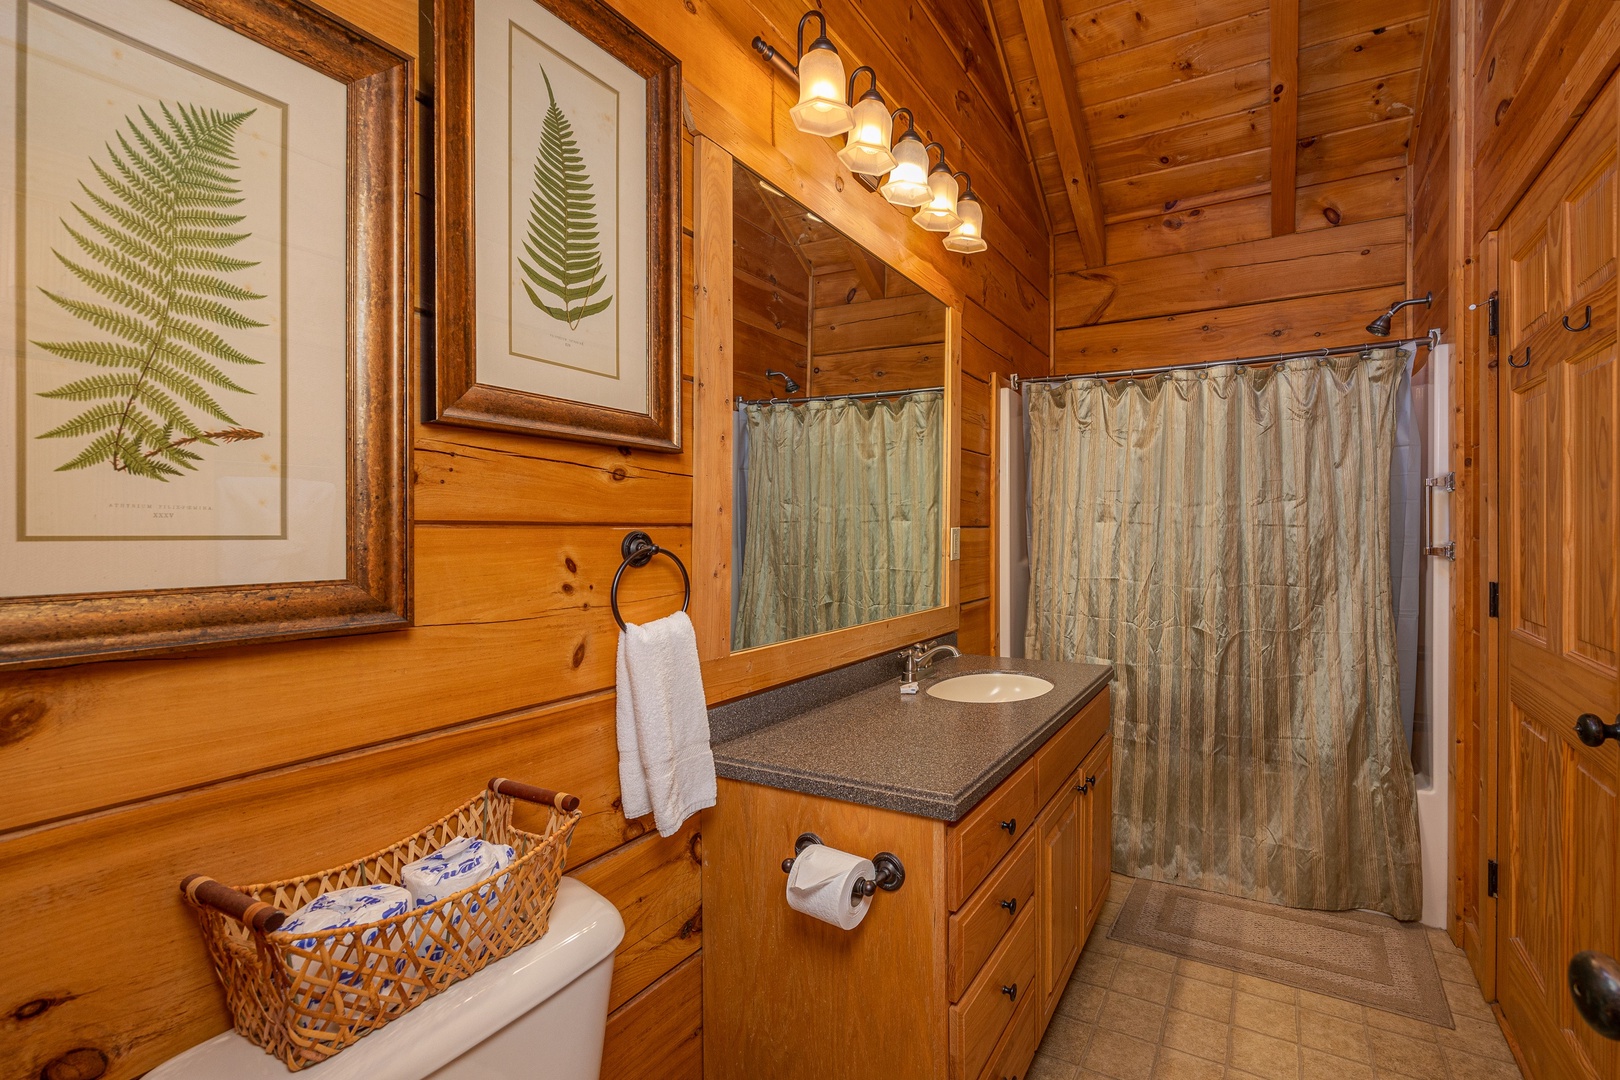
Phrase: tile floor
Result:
[1131,1013]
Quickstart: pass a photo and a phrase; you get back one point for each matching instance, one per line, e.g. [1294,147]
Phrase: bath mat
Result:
[1369,959]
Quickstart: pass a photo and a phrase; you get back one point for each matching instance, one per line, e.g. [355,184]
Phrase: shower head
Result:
[1379,327]
[787,380]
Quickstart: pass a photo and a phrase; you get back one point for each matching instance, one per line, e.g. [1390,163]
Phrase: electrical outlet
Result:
[956,544]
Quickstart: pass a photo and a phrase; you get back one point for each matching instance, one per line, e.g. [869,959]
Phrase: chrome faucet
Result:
[918,657]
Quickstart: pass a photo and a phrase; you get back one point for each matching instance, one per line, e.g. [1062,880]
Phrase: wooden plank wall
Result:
[770,297]
[1177,101]
[259,762]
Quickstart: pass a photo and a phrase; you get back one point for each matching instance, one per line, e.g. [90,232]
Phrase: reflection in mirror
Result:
[839,374]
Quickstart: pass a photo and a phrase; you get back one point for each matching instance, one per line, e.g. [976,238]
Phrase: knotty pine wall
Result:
[259,762]
[1175,98]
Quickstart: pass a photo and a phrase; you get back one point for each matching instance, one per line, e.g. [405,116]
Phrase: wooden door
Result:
[1559,822]
[1098,779]
[1059,894]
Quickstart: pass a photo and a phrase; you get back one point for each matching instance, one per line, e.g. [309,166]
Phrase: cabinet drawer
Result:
[1007,982]
[975,844]
[989,914]
[1063,752]
[1017,1047]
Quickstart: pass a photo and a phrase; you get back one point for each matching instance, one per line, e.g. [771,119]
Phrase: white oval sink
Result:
[990,686]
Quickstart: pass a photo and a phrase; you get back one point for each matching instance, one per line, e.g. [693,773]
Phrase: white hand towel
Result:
[665,765]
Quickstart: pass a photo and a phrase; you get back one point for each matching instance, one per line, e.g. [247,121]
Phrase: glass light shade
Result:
[908,180]
[967,237]
[938,214]
[867,150]
[821,109]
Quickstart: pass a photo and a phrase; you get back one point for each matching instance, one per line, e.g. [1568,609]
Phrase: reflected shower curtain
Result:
[843,515]
[1223,537]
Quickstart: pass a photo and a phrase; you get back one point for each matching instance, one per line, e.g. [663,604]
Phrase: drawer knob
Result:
[1011,992]
[1011,905]
[1011,825]
[1082,786]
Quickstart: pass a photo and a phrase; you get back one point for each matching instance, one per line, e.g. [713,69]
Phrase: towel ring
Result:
[638,549]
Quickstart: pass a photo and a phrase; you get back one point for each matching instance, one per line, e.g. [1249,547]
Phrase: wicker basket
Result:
[304,996]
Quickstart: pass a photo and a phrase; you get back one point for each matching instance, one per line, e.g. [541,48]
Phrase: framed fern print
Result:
[558,178]
[203,411]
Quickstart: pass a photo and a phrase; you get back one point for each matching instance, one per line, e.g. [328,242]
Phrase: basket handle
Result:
[253,913]
[529,793]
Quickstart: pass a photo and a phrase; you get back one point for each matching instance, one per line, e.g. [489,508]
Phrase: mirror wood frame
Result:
[728,674]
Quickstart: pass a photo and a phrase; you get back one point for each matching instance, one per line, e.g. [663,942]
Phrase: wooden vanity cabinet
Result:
[954,976]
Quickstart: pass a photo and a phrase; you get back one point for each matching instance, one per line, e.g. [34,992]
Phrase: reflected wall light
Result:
[866,151]
[908,179]
[822,109]
[968,236]
[938,214]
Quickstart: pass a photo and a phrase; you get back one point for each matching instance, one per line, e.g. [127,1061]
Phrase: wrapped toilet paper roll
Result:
[823,880]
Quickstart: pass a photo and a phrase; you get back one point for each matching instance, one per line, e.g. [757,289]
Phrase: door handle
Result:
[1587,325]
[1594,983]
[1592,731]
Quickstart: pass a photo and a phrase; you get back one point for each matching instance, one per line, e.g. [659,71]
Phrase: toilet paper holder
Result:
[891,873]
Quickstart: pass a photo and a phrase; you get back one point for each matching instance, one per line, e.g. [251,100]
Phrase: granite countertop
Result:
[911,752]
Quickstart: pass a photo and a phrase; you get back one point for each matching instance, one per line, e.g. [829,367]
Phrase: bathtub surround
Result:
[1223,537]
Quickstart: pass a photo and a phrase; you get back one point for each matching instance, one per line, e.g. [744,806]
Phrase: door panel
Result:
[1099,768]
[1059,892]
[1558,821]
[1531,915]
[1594,916]
[1532,480]
[1529,273]
[1589,228]
[1592,517]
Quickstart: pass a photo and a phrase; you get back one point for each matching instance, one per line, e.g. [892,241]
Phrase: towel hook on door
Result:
[638,549]
[1587,325]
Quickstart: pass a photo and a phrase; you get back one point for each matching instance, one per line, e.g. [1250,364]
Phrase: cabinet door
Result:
[1060,895]
[1098,778]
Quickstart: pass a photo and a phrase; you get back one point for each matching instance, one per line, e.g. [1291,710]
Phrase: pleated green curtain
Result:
[1222,537]
[842,515]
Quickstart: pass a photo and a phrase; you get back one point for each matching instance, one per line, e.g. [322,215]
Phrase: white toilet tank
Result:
[539,1013]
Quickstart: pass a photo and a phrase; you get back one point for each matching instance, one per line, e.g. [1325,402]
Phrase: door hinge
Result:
[1496,600]
[1492,323]
[1490,877]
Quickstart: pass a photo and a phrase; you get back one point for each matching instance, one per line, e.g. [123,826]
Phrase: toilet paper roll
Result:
[823,880]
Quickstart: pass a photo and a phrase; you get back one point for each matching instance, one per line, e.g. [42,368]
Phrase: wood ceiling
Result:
[1159,130]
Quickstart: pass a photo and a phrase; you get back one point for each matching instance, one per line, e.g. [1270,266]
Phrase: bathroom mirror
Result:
[838,378]
[825,404]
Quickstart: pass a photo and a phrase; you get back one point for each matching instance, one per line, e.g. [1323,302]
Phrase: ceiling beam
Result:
[1043,28]
[1284,114]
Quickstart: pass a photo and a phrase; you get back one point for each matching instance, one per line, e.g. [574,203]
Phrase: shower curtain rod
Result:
[844,397]
[1431,340]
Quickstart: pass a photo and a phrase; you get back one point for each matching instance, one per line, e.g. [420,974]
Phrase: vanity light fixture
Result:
[908,179]
[968,236]
[938,214]
[822,109]
[867,149]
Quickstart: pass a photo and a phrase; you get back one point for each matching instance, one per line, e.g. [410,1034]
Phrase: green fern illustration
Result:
[155,252]
[562,247]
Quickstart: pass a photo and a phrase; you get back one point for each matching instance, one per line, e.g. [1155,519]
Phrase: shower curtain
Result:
[1222,537]
[842,515]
